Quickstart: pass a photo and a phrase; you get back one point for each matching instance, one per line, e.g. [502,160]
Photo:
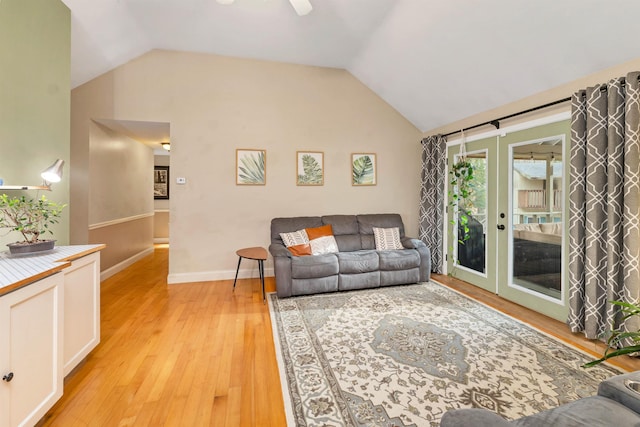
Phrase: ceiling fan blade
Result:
[302,7]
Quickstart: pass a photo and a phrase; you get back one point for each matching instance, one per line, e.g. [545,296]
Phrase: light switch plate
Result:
[181,180]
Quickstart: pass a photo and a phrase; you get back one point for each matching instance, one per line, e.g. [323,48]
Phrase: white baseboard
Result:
[160,240]
[207,276]
[124,264]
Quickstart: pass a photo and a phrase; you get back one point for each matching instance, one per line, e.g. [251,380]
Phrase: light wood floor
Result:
[199,354]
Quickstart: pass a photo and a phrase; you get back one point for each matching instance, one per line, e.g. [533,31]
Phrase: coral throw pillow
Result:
[300,250]
[314,233]
[321,240]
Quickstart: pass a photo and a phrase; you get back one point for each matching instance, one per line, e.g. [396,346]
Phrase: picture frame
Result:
[251,166]
[161,182]
[309,168]
[364,169]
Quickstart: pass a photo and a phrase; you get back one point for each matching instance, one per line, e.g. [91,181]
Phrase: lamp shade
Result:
[54,172]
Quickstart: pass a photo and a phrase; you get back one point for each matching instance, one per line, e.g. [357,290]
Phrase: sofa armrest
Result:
[618,388]
[278,249]
[282,269]
[425,256]
[472,418]
[411,243]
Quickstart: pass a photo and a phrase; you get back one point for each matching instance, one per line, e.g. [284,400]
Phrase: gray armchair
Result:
[617,404]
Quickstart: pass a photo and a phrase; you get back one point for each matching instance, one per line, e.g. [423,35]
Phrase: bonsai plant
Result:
[29,217]
[620,342]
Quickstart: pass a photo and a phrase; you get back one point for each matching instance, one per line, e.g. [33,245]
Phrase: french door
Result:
[469,255]
[514,243]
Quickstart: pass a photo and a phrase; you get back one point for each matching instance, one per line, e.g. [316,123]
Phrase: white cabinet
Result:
[31,351]
[81,309]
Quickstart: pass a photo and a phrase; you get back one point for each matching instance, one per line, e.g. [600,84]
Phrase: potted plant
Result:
[621,342]
[31,218]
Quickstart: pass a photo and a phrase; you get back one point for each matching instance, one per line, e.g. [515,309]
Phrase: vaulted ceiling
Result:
[434,61]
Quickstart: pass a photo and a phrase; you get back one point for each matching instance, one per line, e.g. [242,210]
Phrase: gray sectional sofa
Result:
[357,264]
[616,404]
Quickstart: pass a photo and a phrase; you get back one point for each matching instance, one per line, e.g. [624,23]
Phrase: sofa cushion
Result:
[311,267]
[399,260]
[387,238]
[286,225]
[316,285]
[342,224]
[358,262]
[592,411]
[345,230]
[349,282]
[349,242]
[367,222]
[399,277]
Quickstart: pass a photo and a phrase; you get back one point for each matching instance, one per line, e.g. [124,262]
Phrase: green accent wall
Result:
[35,52]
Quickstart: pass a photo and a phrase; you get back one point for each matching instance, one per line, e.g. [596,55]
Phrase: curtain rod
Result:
[496,122]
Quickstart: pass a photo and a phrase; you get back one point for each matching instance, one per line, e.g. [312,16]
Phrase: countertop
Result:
[18,271]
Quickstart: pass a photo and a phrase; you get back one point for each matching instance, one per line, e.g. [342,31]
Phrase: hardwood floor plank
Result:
[200,354]
[183,354]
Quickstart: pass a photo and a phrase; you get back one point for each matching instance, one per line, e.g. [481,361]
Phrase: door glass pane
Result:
[472,217]
[537,216]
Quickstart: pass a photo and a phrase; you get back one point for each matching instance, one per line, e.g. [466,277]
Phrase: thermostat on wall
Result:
[181,180]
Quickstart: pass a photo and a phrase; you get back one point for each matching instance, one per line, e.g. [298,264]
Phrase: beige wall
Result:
[34,99]
[217,104]
[161,226]
[120,195]
[122,176]
[126,242]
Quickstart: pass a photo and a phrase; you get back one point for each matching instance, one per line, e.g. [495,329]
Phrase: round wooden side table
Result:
[259,254]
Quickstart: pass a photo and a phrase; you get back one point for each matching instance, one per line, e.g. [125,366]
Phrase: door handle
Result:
[500,227]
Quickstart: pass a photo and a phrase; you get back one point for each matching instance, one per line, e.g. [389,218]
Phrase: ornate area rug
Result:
[404,355]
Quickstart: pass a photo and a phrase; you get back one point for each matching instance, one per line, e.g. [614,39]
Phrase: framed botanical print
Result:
[309,168]
[363,169]
[161,182]
[251,167]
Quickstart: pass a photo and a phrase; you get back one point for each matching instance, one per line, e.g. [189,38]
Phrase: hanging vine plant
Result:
[462,185]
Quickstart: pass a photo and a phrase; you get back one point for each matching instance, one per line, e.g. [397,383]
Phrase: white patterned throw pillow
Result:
[387,238]
[324,245]
[295,238]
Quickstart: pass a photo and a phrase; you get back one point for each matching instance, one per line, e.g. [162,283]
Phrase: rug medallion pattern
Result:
[402,356]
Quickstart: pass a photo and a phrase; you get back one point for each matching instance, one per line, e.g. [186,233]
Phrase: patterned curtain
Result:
[432,194]
[604,233]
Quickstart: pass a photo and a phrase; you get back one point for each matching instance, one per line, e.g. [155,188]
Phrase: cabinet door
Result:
[31,350]
[81,309]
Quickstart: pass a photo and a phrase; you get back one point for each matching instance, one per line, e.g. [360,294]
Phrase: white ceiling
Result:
[152,134]
[434,61]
